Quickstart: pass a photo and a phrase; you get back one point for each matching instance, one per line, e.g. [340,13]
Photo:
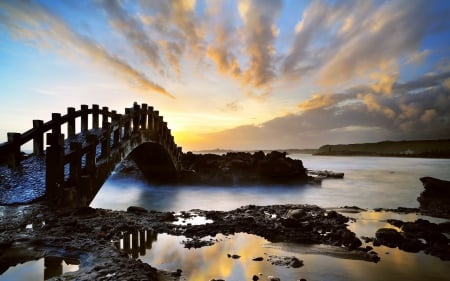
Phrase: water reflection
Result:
[321,262]
[42,269]
[136,243]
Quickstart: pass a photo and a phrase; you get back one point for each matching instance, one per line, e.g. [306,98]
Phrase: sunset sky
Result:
[261,74]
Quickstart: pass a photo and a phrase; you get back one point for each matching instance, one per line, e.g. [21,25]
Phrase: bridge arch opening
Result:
[154,162]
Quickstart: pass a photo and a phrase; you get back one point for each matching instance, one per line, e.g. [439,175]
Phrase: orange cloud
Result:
[373,104]
[318,101]
[259,18]
[384,82]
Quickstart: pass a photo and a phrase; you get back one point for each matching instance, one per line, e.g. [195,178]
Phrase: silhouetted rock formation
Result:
[435,199]
[413,237]
[243,168]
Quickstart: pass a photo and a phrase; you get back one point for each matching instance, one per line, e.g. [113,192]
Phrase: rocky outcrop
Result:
[435,199]
[420,235]
[243,168]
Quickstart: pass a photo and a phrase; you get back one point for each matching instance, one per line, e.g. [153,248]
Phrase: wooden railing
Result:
[83,152]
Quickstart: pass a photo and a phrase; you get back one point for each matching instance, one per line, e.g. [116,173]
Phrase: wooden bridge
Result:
[73,169]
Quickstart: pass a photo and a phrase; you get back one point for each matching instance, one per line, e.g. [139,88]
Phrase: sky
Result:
[250,74]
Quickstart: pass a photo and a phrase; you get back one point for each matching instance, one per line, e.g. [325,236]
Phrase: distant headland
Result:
[416,148]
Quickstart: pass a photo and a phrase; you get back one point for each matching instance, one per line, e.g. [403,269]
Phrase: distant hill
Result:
[422,148]
[288,151]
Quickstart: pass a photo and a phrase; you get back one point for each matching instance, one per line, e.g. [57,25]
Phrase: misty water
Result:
[369,182]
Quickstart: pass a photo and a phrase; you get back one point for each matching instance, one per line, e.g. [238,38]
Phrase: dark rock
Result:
[394,222]
[435,185]
[435,199]
[293,262]
[243,168]
[255,278]
[412,245]
[136,210]
[389,237]
[258,259]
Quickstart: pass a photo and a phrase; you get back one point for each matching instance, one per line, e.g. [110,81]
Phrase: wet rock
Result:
[412,238]
[389,237]
[411,245]
[177,273]
[243,168]
[296,214]
[136,210]
[292,261]
[394,222]
[435,199]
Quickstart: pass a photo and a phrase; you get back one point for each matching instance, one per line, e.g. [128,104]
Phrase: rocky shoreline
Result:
[88,236]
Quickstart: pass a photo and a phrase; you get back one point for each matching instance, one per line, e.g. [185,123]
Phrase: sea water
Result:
[369,182]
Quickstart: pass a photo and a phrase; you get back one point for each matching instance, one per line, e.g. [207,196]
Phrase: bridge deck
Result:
[69,172]
[27,183]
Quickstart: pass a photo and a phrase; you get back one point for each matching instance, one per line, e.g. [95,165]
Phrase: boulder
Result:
[435,199]
[389,237]
[136,210]
[436,185]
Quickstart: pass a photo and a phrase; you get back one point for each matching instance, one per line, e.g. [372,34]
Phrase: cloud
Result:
[446,83]
[234,106]
[35,24]
[391,30]
[428,116]
[349,117]
[259,18]
[222,47]
[133,30]
[340,41]
[384,81]
[418,57]
[318,101]
[175,22]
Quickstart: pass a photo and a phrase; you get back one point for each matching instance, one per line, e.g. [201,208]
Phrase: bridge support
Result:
[54,177]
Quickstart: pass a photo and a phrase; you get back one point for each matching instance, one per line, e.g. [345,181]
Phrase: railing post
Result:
[106,142]
[38,140]
[56,118]
[92,141]
[136,117]
[71,123]
[84,117]
[95,113]
[127,125]
[54,175]
[105,113]
[116,132]
[75,162]
[164,134]
[150,118]
[156,120]
[14,154]
[144,116]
